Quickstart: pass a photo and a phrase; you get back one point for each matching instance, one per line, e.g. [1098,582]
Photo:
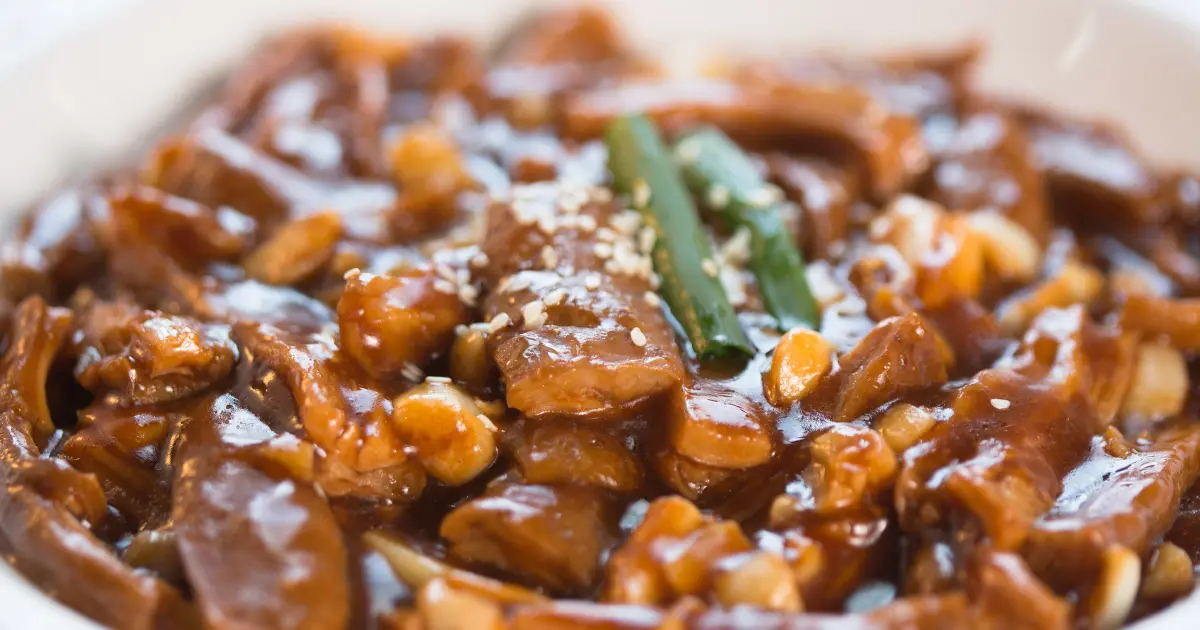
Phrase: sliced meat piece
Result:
[569,453]
[1092,172]
[134,357]
[1128,501]
[718,426]
[777,115]
[216,169]
[985,164]
[900,355]
[191,233]
[123,449]
[1008,596]
[343,411]
[555,536]
[259,552]
[1015,433]
[825,193]
[1176,320]
[575,328]
[56,247]
[394,322]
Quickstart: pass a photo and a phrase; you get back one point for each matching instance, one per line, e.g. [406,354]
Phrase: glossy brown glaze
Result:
[372,344]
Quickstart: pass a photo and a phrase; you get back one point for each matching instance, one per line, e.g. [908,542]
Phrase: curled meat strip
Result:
[575,331]
[771,113]
[1017,431]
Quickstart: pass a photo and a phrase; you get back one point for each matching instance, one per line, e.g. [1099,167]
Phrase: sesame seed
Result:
[438,379]
[641,193]
[570,204]
[480,260]
[534,314]
[487,423]
[445,286]
[555,297]
[626,221]
[688,151]
[652,299]
[547,224]
[655,281]
[710,267]
[718,197]
[444,271]
[468,294]
[601,194]
[516,283]
[352,274]
[412,372]
[592,281]
[638,337]
[461,329]
[606,234]
[602,250]
[587,223]
[1000,403]
[498,322]
[766,196]
[646,239]
[549,257]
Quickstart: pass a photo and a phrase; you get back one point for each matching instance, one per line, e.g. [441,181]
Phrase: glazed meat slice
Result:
[555,536]
[1127,499]
[984,164]
[769,114]
[259,552]
[576,329]
[1092,172]
[573,453]
[343,411]
[48,508]
[1015,434]
[56,247]
[130,356]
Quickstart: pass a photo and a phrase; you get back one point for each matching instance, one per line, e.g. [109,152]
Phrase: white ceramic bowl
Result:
[86,82]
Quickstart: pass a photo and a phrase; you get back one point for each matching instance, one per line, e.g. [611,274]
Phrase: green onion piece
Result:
[643,169]
[725,178]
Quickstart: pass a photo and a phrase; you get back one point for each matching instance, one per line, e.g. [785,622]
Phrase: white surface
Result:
[83,81]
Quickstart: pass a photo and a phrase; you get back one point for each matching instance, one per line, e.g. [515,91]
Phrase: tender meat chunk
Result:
[191,233]
[1015,433]
[1128,501]
[1009,596]
[130,356]
[55,248]
[216,169]
[259,552]
[342,410]
[720,427]
[48,507]
[552,535]
[1177,321]
[824,192]
[1092,172]
[675,552]
[123,448]
[770,114]
[833,524]
[394,322]
[574,331]
[984,163]
[569,453]
[900,355]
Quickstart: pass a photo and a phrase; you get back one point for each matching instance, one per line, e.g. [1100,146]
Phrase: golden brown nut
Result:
[800,360]
[451,437]
[1160,383]
[759,579]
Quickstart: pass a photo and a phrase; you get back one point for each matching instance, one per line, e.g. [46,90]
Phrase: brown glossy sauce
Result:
[372,345]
